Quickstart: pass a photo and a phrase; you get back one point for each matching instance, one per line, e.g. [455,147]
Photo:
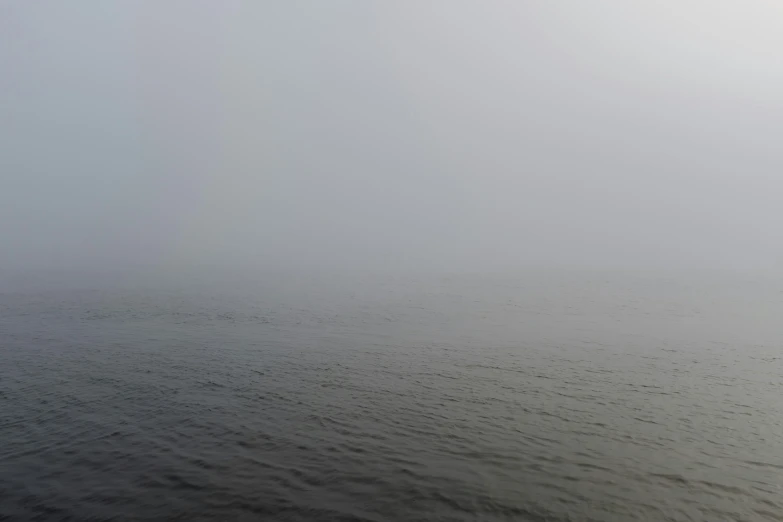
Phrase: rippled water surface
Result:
[390,398]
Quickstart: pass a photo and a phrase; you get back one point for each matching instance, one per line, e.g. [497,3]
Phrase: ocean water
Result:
[541,397]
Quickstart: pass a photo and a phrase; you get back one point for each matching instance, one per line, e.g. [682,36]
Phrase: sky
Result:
[437,135]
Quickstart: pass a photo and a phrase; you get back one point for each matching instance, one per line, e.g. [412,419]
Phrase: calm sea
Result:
[542,397]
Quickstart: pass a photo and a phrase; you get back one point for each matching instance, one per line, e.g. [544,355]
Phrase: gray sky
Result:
[436,134]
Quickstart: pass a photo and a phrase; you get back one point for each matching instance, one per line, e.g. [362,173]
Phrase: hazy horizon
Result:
[378,260]
[444,136]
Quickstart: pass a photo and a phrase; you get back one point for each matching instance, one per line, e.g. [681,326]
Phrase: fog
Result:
[438,135]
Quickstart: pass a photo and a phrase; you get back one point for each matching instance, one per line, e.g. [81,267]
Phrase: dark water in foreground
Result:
[466,398]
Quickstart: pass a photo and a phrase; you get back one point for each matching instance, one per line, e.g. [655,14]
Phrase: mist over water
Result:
[544,396]
[379,260]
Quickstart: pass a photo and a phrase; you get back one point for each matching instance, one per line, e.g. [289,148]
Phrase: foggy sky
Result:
[441,134]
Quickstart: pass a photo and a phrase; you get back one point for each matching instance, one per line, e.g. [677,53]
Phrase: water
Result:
[544,397]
